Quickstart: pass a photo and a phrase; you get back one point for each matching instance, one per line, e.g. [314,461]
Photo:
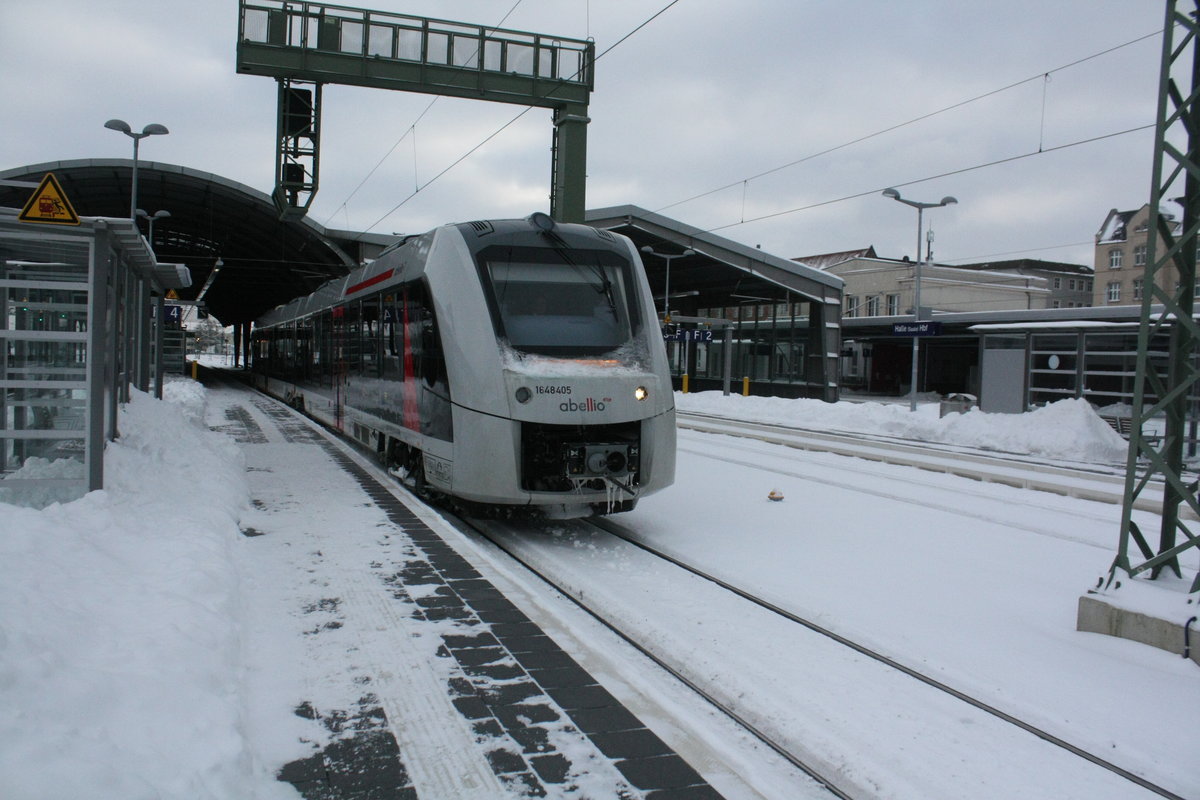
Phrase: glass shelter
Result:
[80,327]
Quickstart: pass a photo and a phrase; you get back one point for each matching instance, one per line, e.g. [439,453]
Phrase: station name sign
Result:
[925,328]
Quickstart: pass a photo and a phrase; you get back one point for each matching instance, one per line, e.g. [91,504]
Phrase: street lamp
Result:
[667,289]
[150,218]
[153,129]
[920,207]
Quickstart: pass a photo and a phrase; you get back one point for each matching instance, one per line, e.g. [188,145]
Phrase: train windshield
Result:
[559,301]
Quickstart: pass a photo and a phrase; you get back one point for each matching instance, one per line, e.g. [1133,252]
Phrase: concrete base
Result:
[1098,615]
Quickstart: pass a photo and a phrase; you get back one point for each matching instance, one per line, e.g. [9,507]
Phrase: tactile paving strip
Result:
[513,671]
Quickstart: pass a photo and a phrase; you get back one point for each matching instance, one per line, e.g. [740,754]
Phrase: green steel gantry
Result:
[304,45]
[1166,387]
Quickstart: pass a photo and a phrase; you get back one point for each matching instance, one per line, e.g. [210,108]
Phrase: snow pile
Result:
[1068,430]
[119,641]
[35,468]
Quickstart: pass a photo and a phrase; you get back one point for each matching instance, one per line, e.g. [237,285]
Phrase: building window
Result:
[1114,291]
[873,306]
[1139,255]
[1137,289]
[1089,286]
[851,311]
[893,305]
[1058,283]
[1055,304]
[1114,259]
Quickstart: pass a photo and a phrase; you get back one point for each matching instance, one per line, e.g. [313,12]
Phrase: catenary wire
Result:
[1040,76]
[411,129]
[914,182]
[499,130]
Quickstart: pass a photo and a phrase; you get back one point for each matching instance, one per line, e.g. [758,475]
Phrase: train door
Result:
[339,365]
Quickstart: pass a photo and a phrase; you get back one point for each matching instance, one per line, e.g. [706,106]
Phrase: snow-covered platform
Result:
[424,680]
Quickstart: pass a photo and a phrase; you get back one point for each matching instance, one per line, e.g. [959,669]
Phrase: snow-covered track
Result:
[501,535]
[527,544]
[1105,484]
[615,529]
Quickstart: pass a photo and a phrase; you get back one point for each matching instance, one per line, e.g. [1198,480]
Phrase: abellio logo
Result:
[587,404]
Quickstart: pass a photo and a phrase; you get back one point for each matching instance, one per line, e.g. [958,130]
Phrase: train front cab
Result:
[560,389]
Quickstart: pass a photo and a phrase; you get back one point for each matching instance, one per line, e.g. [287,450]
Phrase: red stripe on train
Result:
[380,278]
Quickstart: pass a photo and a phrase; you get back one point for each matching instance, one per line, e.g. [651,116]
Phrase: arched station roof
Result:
[265,261]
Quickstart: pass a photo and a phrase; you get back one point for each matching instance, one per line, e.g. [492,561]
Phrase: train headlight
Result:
[523,394]
[641,393]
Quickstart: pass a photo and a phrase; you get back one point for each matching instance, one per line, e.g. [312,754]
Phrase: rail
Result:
[1022,472]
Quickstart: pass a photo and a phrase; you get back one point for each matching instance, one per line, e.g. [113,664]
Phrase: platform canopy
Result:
[214,221]
[721,272]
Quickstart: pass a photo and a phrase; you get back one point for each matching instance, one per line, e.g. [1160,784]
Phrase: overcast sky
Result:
[709,94]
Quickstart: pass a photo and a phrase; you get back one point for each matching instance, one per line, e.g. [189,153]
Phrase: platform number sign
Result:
[705,335]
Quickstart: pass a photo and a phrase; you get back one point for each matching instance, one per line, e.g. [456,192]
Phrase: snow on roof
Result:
[824,261]
[1115,226]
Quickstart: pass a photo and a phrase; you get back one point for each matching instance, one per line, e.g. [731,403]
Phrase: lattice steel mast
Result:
[1166,388]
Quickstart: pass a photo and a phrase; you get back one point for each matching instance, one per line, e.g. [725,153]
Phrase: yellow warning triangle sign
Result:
[49,204]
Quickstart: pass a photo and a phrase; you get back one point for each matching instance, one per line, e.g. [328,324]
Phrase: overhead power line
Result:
[411,129]
[960,171]
[499,130]
[913,121]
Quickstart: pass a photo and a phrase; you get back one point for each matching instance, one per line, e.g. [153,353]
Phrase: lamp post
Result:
[668,257]
[920,207]
[153,129]
[157,215]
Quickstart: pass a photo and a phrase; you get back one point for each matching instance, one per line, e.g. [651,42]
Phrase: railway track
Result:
[495,533]
[515,541]
[1100,483]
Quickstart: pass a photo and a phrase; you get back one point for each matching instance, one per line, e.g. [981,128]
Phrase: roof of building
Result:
[827,260]
[1029,264]
[1115,227]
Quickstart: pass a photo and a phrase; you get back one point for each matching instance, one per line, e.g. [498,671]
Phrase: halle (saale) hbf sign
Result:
[924,328]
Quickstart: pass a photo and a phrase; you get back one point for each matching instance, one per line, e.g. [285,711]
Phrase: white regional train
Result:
[499,363]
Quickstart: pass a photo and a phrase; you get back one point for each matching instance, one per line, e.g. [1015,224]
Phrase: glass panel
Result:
[352,37]
[554,302]
[546,63]
[409,45]
[380,43]
[254,25]
[570,65]
[493,54]
[439,49]
[520,59]
[466,51]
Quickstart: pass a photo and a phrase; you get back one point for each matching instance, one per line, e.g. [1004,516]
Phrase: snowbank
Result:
[1068,430]
[119,641]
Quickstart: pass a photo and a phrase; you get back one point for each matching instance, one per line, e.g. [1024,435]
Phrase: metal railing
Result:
[399,37]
